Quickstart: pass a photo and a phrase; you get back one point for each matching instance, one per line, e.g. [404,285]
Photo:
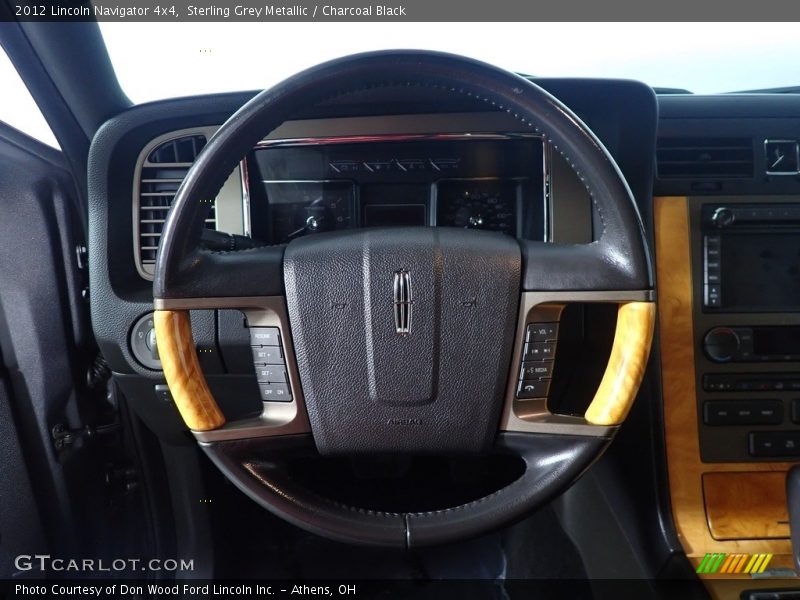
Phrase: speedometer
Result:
[478,204]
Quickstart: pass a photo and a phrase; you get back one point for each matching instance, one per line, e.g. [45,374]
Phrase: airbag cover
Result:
[437,388]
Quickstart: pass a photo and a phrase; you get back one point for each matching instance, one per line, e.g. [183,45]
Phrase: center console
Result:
[727,247]
[746,270]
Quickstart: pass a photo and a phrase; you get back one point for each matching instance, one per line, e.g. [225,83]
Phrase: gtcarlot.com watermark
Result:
[48,563]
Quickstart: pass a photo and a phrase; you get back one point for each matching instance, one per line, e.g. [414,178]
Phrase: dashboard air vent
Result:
[162,173]
[704,157]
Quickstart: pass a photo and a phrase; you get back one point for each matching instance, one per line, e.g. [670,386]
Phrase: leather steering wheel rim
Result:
[617,261]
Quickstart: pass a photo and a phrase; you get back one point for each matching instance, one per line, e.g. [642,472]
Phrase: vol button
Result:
[721,344]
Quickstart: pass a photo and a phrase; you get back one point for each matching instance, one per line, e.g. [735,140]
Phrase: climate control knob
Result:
[721,344]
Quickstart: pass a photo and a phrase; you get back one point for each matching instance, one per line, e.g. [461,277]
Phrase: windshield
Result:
[155,61]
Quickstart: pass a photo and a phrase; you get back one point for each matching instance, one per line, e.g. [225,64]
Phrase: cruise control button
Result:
[275,392]
[539,351]
[536,370]
[271,374]
[542,332]
[267,355]
[533,389]
[265,336]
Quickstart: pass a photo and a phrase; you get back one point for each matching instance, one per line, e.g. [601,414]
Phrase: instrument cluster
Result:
[484,182]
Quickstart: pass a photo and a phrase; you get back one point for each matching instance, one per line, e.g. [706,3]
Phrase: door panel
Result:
[51,379]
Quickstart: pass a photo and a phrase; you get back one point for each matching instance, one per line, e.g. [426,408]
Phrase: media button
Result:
[537,370]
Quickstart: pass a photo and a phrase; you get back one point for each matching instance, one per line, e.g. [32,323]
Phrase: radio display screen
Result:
[761,272]
[776,341]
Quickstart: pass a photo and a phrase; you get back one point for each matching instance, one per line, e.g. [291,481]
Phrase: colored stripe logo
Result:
[734,563]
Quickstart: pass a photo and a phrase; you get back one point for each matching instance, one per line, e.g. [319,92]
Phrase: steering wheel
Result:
[407,340]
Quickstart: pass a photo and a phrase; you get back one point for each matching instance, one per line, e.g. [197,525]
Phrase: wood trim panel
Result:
[626,365]
[735,513]
[685,469]
[182,371]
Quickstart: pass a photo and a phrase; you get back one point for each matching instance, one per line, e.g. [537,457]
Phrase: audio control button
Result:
[541,332]
[721,344]
[540,369]
[539,351]
[723,217]
[713,295]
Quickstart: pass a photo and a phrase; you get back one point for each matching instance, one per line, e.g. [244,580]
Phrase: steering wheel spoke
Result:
[265,315]
[526,403]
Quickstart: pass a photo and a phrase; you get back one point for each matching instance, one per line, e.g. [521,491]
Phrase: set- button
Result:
[537,360]
[270,364]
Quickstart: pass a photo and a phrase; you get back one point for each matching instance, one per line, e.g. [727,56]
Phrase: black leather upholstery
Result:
[256,469]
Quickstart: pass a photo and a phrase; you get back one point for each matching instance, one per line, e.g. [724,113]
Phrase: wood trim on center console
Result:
[735,512]
[685,469]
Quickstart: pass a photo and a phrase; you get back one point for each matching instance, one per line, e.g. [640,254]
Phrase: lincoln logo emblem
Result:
[403,303]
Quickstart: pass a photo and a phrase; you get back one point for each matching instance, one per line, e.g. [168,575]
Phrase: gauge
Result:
[299,208]
[485,204]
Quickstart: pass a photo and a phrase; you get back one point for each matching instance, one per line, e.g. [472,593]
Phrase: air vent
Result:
[704,158]
[162,173]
